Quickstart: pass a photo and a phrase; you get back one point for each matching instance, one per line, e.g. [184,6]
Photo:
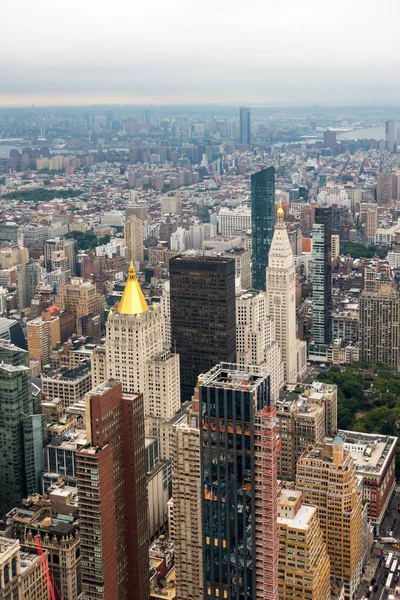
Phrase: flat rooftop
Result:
[200,259]
[233,377]
[7,544]
[369,451]
[65,374]
[301,520]
[71,440]
[248,294]
[288,497]
[28,557]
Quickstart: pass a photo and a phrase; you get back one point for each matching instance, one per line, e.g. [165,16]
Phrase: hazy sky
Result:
[255,52]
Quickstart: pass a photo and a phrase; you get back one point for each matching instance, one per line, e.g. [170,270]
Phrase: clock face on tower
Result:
[277,300]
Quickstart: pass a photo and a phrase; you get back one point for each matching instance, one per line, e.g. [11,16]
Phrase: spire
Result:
[280,246]
[132,301]
[280,214]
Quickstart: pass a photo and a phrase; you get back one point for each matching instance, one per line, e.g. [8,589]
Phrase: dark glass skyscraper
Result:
[203,317]
[238,471]
[21,431]
[244,113]
[322,276]
[262,222]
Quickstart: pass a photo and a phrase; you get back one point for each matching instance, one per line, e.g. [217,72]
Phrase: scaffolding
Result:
[45,569]
[269,503]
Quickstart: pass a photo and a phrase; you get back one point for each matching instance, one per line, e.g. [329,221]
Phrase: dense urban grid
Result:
[199,353]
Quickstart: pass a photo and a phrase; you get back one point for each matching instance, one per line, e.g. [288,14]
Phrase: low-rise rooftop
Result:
[370,451]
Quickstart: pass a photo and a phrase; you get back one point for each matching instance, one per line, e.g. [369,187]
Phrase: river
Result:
[375,133]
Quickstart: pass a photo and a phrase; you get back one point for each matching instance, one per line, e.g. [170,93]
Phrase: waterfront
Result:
[376,133]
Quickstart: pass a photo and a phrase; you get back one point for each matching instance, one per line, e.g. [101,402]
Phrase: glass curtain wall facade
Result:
[229,403]
[262,222]
[203,315]
[244,113]
[322,276]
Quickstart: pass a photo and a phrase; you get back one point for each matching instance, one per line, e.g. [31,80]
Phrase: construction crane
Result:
[45,569]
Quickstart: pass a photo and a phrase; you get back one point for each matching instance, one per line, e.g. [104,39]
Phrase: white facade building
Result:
[281,294]
[136,354]
[255,338]
[232,222]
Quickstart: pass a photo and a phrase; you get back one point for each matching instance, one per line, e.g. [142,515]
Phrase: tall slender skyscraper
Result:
[384,189]
[239,477]
[390,135]
[203,320]
[133,235]
[322,276]
[111,477]
[281,294]
[262,222]
[21,432]
[187,488]
[244,114]
[28,276]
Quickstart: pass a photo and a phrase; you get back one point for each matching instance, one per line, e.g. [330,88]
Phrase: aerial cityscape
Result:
[199,301]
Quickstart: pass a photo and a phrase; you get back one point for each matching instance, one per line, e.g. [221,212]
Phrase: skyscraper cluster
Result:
[186,454]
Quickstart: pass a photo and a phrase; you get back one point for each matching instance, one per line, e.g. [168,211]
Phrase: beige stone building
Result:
[304,567]
[59,537]
[69,385]
[163,393]
[305,416]
[21,576]
[369,219]
[186,508]
[81,298]
[9,257]
[171,204]
[255,338]
[43,334]
[327,477]
[137,355]
[380,326]
[133,236]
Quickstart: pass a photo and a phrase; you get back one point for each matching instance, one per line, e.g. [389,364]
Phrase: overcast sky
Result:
[266,52]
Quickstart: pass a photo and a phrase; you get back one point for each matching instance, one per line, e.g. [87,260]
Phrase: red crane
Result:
[45,569]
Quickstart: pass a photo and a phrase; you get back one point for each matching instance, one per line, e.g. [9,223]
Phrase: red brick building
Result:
[111,478]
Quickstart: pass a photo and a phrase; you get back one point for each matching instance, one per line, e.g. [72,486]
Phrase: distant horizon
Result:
[257,105]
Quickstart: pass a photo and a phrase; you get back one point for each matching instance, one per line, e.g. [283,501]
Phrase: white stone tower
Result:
[281,292]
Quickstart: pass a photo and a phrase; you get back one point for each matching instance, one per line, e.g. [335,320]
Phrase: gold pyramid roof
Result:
[132,301]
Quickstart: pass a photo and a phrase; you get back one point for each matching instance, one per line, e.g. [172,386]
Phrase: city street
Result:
[375,569]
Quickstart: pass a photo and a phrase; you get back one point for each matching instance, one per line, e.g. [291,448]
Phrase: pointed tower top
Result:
[132,301]
[131,272]
[280,213]
[280,254]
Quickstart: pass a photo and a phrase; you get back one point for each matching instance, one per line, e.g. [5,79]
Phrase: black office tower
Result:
[239,478]
[322,276]
[203,319]
[244,113]
[262,222]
